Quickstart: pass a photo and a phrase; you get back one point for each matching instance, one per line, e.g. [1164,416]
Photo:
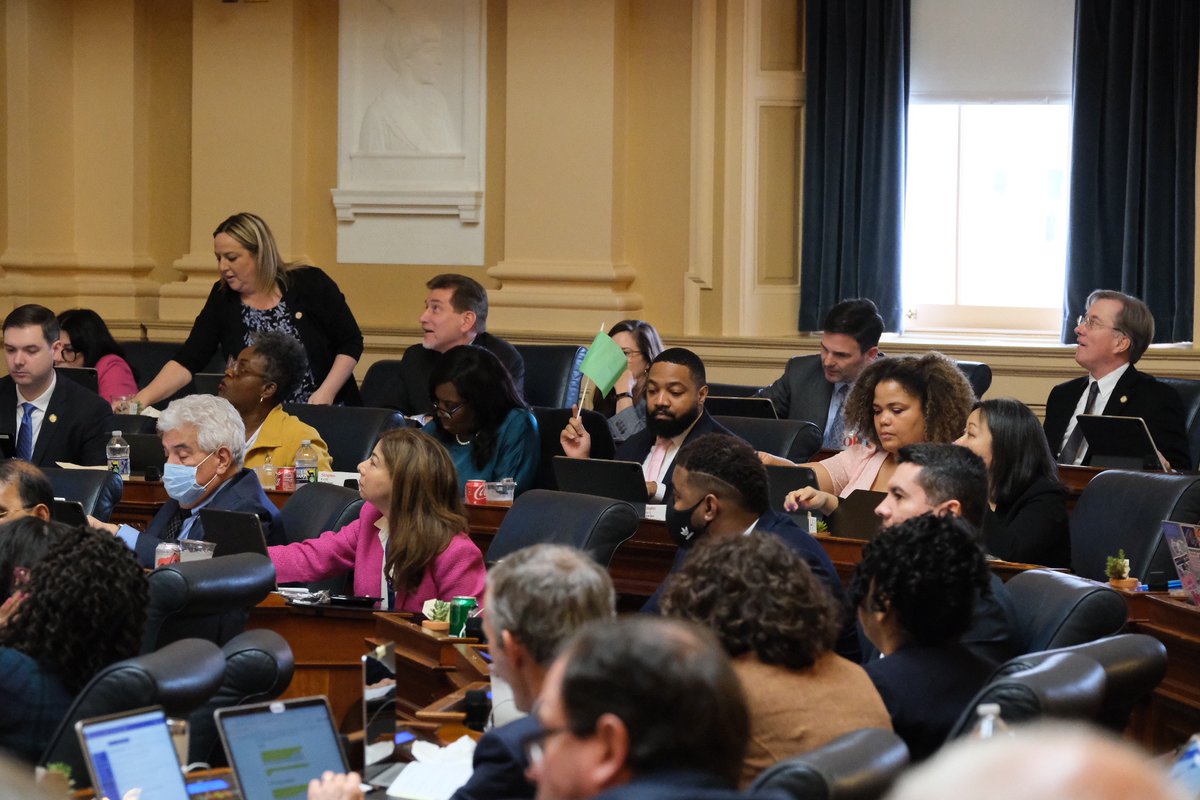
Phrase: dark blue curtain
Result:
[855,117]
[1133,158]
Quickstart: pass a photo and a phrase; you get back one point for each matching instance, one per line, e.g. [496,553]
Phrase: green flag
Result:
[604,362]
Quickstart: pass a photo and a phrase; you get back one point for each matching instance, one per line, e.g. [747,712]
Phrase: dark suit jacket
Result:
[499,764]
[925,690]
[672,785]
[76,428]
[411,392]
[801,392]
[243,492]
[638,446]
[1033,529]
[1135,395]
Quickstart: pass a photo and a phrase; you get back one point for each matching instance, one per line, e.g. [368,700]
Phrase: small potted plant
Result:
[437,616]
[1118,572]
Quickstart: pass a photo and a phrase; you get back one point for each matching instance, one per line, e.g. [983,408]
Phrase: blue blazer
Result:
[673,785]
[242,492]
[500,764]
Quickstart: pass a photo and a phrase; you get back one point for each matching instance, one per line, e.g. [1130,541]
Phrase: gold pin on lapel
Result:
[54,417]
[299,314]
[1124,399]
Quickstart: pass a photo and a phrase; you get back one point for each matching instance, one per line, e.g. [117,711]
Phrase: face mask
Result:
[679,525]
[180,482]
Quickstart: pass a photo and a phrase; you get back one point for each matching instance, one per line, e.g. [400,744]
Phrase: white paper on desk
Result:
[437,773]
[69,465]
[656,511]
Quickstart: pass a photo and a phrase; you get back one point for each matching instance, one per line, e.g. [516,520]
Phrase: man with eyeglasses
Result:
[536,599]
[25,491]
[1111,336]
[642,707]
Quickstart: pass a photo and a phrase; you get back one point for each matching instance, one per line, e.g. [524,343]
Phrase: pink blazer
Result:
[456,571]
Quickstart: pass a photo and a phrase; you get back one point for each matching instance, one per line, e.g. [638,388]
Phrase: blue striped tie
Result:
[25,433]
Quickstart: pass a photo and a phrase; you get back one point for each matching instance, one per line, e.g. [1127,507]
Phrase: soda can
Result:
[460,610]
[166,553]
[285,479]
[476,493]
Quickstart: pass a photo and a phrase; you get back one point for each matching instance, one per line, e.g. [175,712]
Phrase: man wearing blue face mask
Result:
[720,489]
[204,440]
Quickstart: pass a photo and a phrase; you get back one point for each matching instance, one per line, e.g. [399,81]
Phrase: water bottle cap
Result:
[116,433]
[304,442]
[988,709]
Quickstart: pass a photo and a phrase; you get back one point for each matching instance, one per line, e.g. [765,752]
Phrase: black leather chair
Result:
[1189,393]
[732,390]
[316,508]
[208,599]
[794,439]
[1123,510]
[1055,609]
[1063,686]
[98,491]
[550,422]
[134,423]
[860,765]
[258,667]
[381,385]
[979,375]
[178,677]
[350,431]
[552,373]
[596,525]
[1133,665]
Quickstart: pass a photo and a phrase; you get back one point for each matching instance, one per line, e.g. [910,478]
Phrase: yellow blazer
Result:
[280,436]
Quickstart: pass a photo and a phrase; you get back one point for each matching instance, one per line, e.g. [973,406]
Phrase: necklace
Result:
[458,439]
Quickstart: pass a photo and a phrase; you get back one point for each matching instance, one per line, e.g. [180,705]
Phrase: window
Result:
[986,214]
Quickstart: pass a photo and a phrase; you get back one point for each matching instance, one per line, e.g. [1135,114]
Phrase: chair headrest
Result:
[179,677]
[1064,685]
[259,662]
[212,586]
[860,765]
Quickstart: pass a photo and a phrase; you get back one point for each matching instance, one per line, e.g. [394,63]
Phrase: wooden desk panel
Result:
[1172,713]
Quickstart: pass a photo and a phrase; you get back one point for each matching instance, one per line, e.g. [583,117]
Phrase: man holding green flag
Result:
[675,391]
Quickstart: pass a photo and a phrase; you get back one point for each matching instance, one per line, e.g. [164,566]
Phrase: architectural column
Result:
[76,156]
[564,265]
[248,137]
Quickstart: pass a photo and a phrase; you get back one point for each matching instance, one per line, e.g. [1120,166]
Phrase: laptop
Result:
[207,382]
[781,481]
[233,532]
[1183,543]
[84,376]
[132,751]
[854,518]
[620,480]
[1119,442]
[145,450]
[276,748]
[68,512]
[757,407]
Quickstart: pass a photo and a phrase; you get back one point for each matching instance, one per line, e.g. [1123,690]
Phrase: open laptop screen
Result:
[276,748]
[132,751]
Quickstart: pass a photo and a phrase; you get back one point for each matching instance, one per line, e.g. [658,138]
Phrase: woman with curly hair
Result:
[895,402]
[779,624]
[409,543]
[915,591]
[83,609]
[481,418]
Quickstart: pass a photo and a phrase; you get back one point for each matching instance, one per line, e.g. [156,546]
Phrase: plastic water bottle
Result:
[118,455]
[989,724]
[266,473]
[306,463]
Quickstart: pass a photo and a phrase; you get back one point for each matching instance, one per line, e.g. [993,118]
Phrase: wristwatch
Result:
[624,394]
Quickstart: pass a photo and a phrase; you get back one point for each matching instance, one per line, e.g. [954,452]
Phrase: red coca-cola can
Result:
[285,479]
[476,492]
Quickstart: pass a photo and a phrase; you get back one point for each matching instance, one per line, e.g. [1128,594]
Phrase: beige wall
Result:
[120,159]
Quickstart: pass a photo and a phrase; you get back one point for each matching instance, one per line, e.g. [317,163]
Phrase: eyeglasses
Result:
[69,353]
[1095,323]
[534,744]
[8,511]
[236,369]
[446,412]
[631,352]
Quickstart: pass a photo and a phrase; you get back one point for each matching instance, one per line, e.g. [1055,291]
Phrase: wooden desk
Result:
[1172,713]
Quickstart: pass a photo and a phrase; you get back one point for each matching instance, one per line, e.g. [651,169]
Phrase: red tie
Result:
[657,455]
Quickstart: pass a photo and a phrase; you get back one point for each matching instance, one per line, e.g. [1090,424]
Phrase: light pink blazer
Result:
[456,571]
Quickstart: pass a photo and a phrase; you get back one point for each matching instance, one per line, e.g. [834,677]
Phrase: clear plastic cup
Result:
[194,550]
